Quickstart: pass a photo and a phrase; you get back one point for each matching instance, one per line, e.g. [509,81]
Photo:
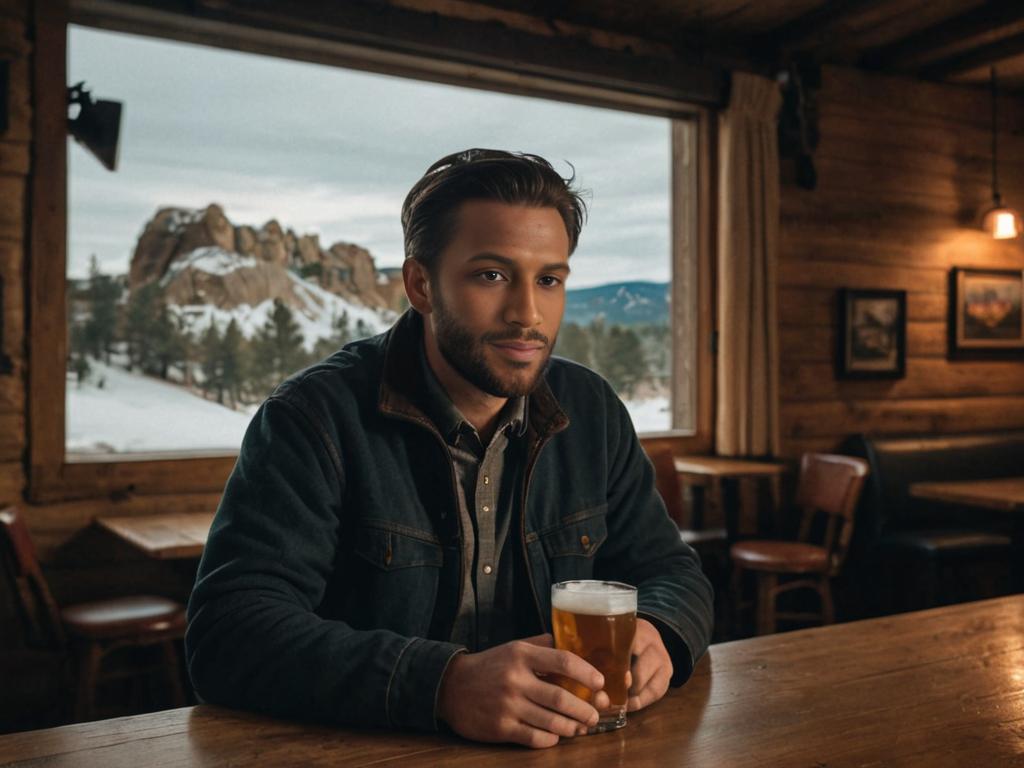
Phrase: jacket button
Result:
[585,541]
[387,556]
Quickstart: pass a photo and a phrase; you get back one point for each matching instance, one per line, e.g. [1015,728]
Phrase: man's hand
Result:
[651,669]
[496,695]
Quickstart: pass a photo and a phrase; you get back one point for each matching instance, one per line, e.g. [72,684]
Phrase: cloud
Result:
[334,151]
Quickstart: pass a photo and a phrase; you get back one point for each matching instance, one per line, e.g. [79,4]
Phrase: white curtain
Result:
[747,409]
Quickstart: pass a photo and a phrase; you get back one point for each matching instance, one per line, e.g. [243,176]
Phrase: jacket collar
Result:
[403,391]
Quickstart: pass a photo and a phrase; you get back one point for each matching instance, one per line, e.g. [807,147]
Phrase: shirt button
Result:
[488,569]
[485,508]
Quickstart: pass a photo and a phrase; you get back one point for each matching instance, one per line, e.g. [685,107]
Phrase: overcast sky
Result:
[334,151]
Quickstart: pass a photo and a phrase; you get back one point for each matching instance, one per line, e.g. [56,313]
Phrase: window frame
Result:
[53,477]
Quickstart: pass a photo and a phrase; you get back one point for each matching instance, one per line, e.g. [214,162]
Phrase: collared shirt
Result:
[485,476]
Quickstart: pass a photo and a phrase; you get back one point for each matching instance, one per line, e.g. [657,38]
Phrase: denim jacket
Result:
[332,573]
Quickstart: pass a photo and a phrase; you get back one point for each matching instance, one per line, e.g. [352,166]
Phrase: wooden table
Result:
[728,472]
[165,537]
[943,687]
[1005,494]
[1002,494]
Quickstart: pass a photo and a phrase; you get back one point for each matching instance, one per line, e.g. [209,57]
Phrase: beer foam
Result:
[594,598]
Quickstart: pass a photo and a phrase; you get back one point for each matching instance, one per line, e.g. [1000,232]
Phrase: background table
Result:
[729,472]
[1002,494]
[937,688]
[165,537]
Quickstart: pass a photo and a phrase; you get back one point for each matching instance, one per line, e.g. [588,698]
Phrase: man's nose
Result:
[521,308]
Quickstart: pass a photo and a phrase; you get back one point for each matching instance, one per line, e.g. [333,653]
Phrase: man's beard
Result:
[465,353]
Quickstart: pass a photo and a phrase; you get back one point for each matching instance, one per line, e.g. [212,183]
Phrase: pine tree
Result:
[103,294]
[140,321]
[574,343]
[340,336]
[277,349]
[622,360]
[78,357]
[598,337]
[231,359]
[211,361]
[157,339]
[169,342]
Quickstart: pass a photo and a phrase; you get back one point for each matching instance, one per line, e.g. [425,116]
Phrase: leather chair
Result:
[827,492]
[91,630]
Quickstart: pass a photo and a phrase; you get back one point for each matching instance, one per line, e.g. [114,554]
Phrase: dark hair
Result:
[428,213]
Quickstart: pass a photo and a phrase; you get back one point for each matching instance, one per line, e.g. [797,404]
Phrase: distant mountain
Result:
[635,303]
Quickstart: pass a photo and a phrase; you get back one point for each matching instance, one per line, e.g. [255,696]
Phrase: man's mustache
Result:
[515,336]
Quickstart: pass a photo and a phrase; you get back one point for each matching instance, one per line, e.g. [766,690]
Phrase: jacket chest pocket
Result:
[397,578]
[391,550]
[570,547]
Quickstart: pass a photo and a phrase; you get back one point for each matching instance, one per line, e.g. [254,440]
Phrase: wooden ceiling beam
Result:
[429,36]
[915,48]
[817,27]
[983,56]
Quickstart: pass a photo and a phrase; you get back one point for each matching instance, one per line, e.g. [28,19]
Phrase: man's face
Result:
[498,293]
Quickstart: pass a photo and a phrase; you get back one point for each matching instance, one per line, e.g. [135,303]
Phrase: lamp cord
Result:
[995,166]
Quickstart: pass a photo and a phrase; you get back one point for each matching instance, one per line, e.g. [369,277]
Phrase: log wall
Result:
[903,175]
[903,170]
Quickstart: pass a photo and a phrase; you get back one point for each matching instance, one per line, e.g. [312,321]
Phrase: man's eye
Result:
[550,281]
[491,276]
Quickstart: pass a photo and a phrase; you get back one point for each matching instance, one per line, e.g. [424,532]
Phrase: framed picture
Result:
[872,334]
[986,312]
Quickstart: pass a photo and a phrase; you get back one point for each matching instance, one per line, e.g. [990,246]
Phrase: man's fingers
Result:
[548,720]
[559,700]
[528,736]
[642,672]
[544,641]
[650,693]
[554,662]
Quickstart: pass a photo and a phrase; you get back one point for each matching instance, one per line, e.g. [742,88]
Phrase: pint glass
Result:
[596,620]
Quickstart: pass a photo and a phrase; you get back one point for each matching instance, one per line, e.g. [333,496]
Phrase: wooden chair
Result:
[91,630]
[670,488]
[829,487]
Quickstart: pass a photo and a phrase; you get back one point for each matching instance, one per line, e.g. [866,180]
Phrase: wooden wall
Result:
[903,171]
[903,174]
[80,562]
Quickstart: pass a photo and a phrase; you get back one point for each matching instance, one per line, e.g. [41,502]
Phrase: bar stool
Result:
[829,487]
[93,629]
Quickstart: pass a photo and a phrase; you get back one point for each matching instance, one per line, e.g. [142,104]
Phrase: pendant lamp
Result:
[1001,222]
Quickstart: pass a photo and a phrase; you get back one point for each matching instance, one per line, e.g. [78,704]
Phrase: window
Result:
[252,227]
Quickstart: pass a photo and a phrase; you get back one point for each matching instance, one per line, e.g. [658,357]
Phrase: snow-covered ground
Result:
[132,413]
[650,415]
[136,413]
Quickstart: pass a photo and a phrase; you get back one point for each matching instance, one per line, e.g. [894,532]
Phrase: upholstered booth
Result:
[911,553]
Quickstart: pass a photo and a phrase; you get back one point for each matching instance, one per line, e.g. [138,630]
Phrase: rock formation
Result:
[200,257]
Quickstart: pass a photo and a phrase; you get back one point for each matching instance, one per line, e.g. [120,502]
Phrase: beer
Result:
[596,620]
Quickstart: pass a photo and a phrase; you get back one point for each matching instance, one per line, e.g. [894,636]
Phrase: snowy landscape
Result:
[135,413]
[177,353]
[218,260]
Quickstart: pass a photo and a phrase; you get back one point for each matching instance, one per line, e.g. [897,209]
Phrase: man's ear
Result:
[417,286]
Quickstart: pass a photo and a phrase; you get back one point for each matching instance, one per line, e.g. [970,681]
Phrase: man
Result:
[386,544]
